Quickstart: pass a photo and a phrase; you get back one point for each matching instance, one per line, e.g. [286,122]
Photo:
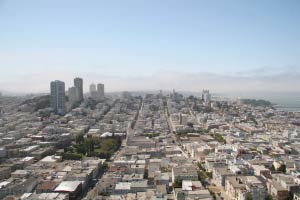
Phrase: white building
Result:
[206,96]
[93,91]
[57,96]
[97,94]
[73,95]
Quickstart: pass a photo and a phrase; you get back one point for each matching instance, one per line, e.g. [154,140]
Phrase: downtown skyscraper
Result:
[78,83]
[100,90]
[75,93]
[57,97]
[97,93]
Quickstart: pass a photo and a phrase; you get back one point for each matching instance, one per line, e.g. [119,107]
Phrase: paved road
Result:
[129,133]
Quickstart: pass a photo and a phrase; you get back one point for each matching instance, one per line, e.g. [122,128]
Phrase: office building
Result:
[93,88]
[57,96]
[93,92]
[100,90]
[97,93]
[206,97]
[78,83]
[73,95]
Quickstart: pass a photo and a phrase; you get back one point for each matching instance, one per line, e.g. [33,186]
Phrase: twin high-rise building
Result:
[57,97]
[97,94]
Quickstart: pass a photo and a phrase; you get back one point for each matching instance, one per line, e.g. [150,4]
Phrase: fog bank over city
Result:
[265,79]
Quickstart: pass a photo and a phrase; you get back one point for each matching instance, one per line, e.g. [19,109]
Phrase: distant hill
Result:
[259,102]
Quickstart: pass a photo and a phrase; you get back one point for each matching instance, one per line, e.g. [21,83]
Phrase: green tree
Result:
[209,174]
[105,165]
[269,197]
[218,137]
[89,145]
[273,168]
[81,149]
[249,197]
[79,138]
[200,166]
[71,156]
[177,183]
[282,168]
[202,175]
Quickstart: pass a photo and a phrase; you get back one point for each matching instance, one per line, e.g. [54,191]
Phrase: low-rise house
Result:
[139,186]
[287,183]
[20,174]
[72,188]
[27,161]
[45,196]
[276,190]
[241,187]
[260,169]
[161,178]
[15,186]
[219,175]
[132,177]
[46,187]
[26,151]
[212,161]
[185,172]
[5,172]
[41,153]
[199,194]
[191,190]
[122,188]
[138,169]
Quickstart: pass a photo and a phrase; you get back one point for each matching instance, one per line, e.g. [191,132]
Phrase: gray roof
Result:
[68,186]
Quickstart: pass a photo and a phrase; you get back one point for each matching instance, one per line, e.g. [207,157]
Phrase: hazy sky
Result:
[222,45]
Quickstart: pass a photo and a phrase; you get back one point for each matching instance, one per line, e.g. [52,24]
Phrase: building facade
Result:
[100,90]
[206,96]
[73,95]
[93,91]
[78,83]
[57,96]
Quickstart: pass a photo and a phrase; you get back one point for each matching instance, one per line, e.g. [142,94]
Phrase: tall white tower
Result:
[57,96]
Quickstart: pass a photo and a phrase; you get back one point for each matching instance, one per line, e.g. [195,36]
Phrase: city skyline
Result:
[151,45]
[265,79]
[150,99]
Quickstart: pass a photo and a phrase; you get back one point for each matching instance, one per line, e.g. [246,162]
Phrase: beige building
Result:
[240,187]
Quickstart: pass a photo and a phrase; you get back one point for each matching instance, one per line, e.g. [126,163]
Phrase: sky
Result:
[221,45]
